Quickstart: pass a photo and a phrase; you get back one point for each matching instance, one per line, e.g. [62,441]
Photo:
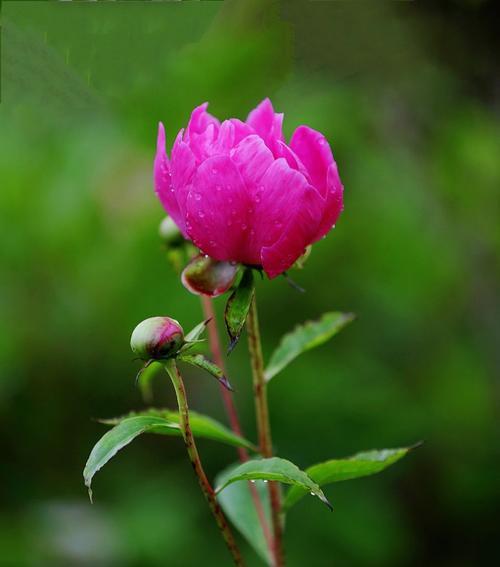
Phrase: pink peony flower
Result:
[242,194]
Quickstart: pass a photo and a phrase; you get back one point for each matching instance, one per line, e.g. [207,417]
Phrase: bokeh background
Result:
[408,95]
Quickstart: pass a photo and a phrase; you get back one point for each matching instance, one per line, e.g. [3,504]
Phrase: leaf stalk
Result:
[194,457]
[263,424]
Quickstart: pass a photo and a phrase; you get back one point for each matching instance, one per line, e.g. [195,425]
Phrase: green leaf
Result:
[202,426]
[145,377]
[275,469]
[237,307]
[120,436]
[335,470]
[305,337]
[196,332]
[193,337]
[238,505]
[202,362]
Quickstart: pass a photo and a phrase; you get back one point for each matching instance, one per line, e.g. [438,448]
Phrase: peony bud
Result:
[169,233]
[301,260]
[157,338]
[206,276]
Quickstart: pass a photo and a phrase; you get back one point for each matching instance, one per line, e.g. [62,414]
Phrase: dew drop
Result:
[252,232]
[197,196]
[214,170]
[252,481]
[244,227]
[201,214]
[266,481]
[278,224]
[218,188]
[312,493]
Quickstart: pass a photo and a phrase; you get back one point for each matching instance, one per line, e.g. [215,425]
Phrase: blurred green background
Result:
[407,93]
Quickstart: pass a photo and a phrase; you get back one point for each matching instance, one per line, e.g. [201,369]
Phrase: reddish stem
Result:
[215,347]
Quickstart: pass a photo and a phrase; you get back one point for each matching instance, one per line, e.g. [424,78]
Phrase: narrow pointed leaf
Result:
[145,377]
[305,337]
[120,436]
[202,362]
[237,307]
[336,470]
[202,426]
[275,469]
[238,505]
[196,332]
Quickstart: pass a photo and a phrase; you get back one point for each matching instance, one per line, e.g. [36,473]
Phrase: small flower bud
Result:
[301,260]
[206,276]
[170,233]
[157,338]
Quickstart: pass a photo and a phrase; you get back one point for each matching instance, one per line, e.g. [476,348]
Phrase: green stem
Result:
[194,457]
[215,347]
[263,424]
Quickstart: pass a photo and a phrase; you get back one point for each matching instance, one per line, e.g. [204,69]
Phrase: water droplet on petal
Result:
[214,170]
[244,227]
[197,196]
[201,214]
[218,188]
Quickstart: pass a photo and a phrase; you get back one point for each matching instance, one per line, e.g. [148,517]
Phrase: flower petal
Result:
[297,234]
[183,167]
[241,130]
[315,153]
[282,150]
[253,159]
[334,202]
[200,120]
[163,180]
[283,199]
[217,208]
[266,123]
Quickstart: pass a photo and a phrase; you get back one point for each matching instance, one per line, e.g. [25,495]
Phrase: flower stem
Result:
[215,347]
[194,457]
[263,424]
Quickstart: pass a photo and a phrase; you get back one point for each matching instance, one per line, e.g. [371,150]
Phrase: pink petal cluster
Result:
[241,193]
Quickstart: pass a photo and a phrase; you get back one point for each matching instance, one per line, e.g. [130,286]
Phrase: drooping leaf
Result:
[202,426]
[145,377]
[305,337]
[238,505]
[275,469]
[120,436]
[202,362]
[237,307]
[335,470]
